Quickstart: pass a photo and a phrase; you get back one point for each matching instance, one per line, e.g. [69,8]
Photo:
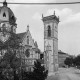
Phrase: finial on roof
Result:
[54,12]
[42,16]
[58,17]
[27,27]
[4,3]
[36,45]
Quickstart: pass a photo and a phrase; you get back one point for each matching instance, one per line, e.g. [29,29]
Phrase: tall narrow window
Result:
[27,39]
[27,53]
[49,31]
[4,14]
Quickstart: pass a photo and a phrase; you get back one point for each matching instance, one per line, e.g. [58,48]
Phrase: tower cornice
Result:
[51,17]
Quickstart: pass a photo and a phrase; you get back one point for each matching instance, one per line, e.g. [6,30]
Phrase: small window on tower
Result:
[49,31]
[4,14]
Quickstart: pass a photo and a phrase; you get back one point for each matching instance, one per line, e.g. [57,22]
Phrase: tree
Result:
[10,59]
[9,63]
[39,72]
[69,61]
[27,75]
[77,61]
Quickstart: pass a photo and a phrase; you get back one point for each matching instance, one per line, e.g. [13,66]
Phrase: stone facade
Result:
[51,42]
[28,49]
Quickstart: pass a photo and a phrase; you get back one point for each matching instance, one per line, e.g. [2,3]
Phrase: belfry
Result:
[51,42]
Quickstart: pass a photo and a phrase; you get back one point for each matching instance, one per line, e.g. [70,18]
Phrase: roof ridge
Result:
[21,32]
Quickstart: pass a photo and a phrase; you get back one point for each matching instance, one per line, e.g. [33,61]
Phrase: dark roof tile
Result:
[21,35]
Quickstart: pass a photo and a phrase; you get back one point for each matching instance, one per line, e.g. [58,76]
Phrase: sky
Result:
[68,28]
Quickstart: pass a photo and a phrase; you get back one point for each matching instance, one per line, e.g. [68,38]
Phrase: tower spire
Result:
[28,27]
[54,12]
[42,16]
[4,3]
[4,0]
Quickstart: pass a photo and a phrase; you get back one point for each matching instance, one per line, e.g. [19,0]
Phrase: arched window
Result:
[27,39]
[4,14]
[27,53]
[49,31]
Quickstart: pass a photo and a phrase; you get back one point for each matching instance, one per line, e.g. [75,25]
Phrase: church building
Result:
[51,42]
[28,49]
[23,43]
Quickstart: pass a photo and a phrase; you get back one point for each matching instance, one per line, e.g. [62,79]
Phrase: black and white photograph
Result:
[39,39]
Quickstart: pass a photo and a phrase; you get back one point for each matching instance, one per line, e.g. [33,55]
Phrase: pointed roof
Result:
[24,35]
[21,35]
[36,45]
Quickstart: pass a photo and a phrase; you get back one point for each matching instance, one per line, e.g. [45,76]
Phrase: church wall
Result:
[51,39]
[49,53]
[2,18]
[9,20]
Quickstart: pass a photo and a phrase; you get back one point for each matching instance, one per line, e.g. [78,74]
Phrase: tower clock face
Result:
[4,33]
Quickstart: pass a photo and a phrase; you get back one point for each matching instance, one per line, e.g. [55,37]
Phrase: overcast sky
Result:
[68,28]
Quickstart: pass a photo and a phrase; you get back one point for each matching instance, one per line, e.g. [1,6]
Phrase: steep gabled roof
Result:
[21,35]
[23,38]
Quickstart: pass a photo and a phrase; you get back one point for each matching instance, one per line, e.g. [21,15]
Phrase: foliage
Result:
[10,59]
[13,42]
[77,61]
[27,75]
[8,65]
[39,72]
[69,61]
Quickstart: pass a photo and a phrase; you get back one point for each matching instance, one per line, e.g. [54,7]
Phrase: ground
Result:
[66,74]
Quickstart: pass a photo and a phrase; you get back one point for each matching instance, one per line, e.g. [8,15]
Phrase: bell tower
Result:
[51,42]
